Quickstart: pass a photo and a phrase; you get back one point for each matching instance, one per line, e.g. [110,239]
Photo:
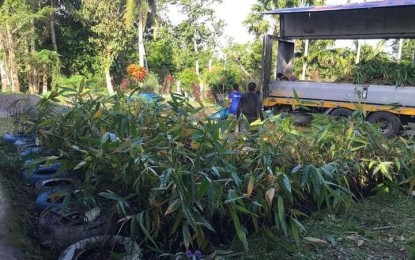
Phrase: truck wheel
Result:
[341,113]
[390,125]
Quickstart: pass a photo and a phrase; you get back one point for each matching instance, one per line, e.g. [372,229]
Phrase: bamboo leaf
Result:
[238,229]
[173,207]
[281,215]
[80,165]
[269,196]
[286,182]
[186,236]
[250,187]
[105,137]
[316,240]
[98,113]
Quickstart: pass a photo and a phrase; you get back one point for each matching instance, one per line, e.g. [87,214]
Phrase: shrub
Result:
[178,183]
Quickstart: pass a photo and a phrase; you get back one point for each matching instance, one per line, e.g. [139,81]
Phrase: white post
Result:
[358,50]
[400,49]
[306,43]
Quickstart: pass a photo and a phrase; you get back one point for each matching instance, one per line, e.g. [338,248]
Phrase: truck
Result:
[392,107]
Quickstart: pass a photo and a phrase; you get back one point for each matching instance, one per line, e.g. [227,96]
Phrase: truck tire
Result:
[341,113]
[58,229]
[390,125]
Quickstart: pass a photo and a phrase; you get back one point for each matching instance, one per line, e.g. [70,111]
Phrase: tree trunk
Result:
[358,51]
[45,83]
[30,83]
[141,50]
[52,27]
[5,83]
[12,60]
[400,49]
[14,72]
[108,80]
[197,59]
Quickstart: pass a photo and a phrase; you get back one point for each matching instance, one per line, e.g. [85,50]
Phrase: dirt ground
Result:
[8,247]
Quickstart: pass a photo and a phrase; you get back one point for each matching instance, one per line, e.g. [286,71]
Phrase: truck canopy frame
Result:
[370,20]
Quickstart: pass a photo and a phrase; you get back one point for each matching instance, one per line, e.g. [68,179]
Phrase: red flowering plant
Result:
[137,73]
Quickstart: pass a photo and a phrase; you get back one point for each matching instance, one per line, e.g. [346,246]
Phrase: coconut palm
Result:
[139,12]
[259,26]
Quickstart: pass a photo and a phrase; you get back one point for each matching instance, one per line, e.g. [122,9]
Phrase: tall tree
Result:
[196,34]
[16,33]
[137,11]
[106,21]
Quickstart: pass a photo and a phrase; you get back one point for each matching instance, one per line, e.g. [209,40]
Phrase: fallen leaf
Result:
[316,240]
[353,238]
[360,242]
[390,240]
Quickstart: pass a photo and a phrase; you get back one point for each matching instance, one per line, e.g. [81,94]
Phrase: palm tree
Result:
[59,5]
[259,26]
[138,11]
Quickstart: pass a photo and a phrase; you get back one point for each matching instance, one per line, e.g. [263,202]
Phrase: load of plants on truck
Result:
[177,183]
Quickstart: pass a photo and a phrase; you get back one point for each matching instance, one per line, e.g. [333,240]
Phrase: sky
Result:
[233,12]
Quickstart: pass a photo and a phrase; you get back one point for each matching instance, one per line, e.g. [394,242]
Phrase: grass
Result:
[375,228]
[5,125]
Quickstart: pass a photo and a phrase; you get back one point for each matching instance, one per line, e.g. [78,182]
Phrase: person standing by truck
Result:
[250,104]
[234,98]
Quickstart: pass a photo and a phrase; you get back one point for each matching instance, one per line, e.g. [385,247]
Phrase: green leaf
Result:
[134,228]
[105,137]
[286,182]
[236,179]
[306,172]
[186,236]
[296,169]
[238,229]
[146,233]
[173,206]
[281,215]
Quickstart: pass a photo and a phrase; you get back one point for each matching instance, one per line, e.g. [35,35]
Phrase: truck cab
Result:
[393,107]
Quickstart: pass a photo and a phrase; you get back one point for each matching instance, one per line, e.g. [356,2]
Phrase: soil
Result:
[8,250]
[104,252]
[18,220]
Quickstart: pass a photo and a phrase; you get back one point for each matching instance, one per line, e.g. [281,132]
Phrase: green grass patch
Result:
[5,125]
[373,229]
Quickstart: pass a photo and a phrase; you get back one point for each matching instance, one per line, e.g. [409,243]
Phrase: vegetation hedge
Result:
[178,182]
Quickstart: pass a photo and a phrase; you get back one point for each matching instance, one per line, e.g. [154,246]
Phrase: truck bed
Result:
[344,92]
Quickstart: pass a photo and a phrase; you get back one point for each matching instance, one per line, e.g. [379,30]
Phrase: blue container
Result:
[12,138]
[29,152]
[50,199]
[31,176]
[220,115]
[149,97]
